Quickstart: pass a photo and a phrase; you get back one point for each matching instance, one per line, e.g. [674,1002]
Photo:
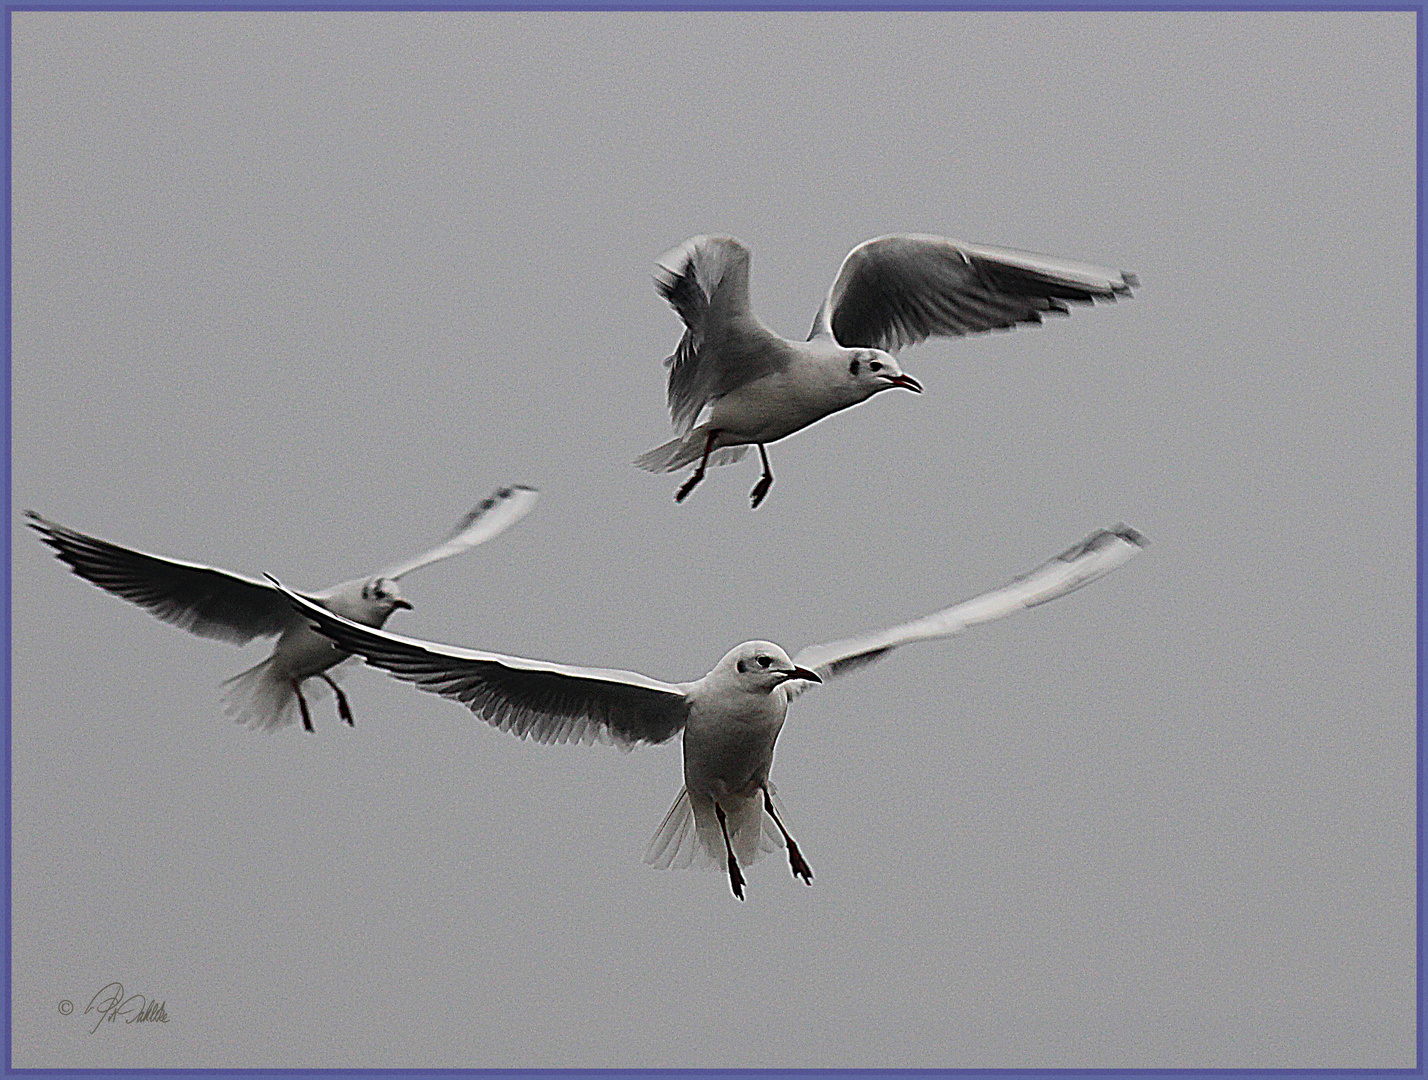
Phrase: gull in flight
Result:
[726,811]
[892,291]
[232,607]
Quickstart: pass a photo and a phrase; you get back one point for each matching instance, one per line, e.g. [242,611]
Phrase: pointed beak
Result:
[399,602]
[802,673]
[907,382]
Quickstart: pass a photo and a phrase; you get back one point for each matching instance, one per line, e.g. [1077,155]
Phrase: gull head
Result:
[871,370]
[756,667]
[381,598]
[369,601]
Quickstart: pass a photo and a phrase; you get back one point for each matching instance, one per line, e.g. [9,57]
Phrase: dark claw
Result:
[760,490]
[798,865]
[688,486]
[765,480]
[344,710]
[796,861]
[302,707]
[736,879]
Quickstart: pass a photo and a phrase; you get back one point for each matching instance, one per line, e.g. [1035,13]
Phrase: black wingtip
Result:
[1133,536]
[505,493]
[50,532]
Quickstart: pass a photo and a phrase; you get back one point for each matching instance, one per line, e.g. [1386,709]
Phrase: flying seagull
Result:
[232,607]
[730,718]
[892,291]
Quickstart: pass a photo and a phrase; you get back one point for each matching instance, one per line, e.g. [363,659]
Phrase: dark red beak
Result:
[803,673]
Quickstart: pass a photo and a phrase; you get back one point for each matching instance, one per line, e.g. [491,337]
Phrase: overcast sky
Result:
[293,291]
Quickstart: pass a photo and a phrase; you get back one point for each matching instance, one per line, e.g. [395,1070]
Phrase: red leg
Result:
[765,481]
[302,705]
[698,475]
[736,879]
[795,857]
[343,709]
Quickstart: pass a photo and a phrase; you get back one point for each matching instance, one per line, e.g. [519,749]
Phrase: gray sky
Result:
[293,291]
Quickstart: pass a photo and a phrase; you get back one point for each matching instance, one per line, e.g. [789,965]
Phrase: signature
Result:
[111,1003]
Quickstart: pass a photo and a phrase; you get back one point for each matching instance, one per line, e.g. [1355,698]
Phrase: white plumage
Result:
[730,718]
[891,292]
[233,607]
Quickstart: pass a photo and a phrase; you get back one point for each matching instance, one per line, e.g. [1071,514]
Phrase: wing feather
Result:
[550,703]
[489,518]
[1077,566]
[201,599]
[894,291]
[706,280]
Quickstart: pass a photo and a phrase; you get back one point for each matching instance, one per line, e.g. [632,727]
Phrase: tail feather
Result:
[686,450]
[260,698]
[675,845]
[690,837]
[752,832]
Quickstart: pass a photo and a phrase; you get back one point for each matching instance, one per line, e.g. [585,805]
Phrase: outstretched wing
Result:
[201,599]
[1079,565]
[489,518]
[895,291]
[706,280]
[550,703]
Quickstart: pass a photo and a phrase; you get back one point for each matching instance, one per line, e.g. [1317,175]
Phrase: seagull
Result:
[892,291]
[232,607]
[726,812]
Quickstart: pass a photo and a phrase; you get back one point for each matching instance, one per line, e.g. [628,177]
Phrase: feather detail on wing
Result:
[489,518]
[550,703]
[706,280]
[894,291]
[1077,566]
[201,599]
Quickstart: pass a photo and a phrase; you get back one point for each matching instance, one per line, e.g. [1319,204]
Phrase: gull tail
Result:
[686,450]
[689,836]
[675,845]
[260,698]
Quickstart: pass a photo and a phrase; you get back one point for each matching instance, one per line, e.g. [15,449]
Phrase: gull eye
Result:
[765,661]
[875,366]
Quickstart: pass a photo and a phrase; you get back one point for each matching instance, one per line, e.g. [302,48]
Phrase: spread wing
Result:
[201,599]
[706,280]
[489,518]
[550,703]
[1081,564]
[895,291]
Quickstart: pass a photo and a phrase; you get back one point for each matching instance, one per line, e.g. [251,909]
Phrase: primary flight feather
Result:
[891,292]
[233,607]
[730,718]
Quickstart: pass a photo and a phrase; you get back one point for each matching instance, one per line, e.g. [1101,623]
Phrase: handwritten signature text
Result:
[111,1003]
